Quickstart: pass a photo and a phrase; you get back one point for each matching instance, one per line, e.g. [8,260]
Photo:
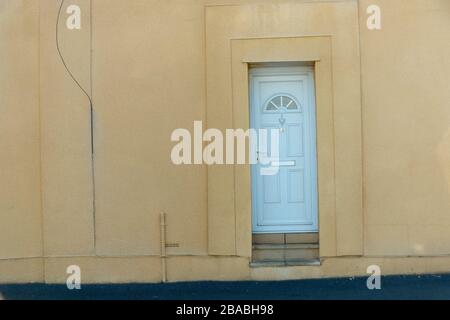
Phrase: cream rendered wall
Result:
[66,161]
[148,66]
[148,73]
[20,203]
[406,121]
[147,79]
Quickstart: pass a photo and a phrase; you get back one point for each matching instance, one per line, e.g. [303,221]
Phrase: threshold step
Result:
[311,262]
[285,254]
[288,246]
[288,263]
[262,238]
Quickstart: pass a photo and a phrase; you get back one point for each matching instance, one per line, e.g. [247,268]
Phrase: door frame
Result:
[284,69]
[338,136]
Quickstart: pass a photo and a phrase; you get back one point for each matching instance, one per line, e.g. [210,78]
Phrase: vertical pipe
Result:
[163,246]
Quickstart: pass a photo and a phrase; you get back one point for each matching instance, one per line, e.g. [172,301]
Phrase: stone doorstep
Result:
[292,263]
[281,238]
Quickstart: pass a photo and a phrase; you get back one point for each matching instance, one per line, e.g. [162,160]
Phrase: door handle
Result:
[289,163]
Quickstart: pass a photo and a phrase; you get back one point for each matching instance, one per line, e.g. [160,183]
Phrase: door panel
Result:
[271,187]
[283,99]
[295,140]
[295,183]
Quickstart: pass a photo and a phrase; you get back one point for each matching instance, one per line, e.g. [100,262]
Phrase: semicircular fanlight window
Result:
[280,102]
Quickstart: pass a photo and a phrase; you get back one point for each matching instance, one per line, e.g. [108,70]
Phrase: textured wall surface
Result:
[145,65]
[406,121]
[20,202]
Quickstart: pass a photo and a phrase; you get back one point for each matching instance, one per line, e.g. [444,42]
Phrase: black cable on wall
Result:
[91,108]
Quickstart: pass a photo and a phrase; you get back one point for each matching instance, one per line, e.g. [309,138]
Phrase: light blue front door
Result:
[283,99]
